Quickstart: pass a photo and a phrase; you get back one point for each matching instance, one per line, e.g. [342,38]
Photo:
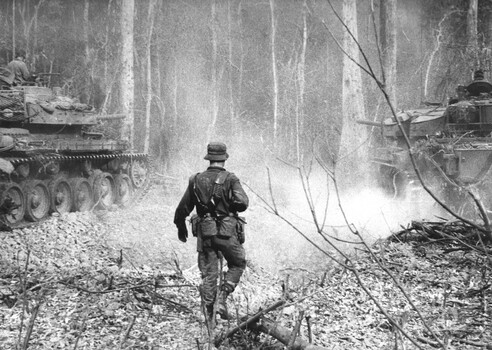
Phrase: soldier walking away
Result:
[19,68]
[218,197]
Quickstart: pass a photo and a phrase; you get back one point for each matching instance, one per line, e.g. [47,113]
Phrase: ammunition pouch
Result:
[203,226]
[227,226]
[223,227]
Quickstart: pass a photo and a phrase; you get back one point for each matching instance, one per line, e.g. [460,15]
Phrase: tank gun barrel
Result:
[110,116]
[368,122]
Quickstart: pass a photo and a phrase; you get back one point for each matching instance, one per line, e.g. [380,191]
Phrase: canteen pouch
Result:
[227,227]
[208,227]
[241,222]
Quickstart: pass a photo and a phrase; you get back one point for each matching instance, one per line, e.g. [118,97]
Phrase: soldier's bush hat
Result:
[216,151]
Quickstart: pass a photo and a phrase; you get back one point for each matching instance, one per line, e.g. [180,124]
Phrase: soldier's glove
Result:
[183,234]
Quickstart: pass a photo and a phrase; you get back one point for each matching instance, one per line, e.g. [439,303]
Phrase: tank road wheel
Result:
[61,195]
[139,172]
[104,190]
[124,189]
[37,200]
[12,202]
[82,194]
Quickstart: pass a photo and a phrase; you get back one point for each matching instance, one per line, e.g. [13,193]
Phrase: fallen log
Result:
[283,335]
[259,323]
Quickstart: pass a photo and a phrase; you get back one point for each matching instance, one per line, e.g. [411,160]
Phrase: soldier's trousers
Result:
[208,263]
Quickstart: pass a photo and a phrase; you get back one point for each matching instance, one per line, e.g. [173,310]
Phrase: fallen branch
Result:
[185,308]
[249,321]
[295,332]
[30,325]
[128,330]
[82,289]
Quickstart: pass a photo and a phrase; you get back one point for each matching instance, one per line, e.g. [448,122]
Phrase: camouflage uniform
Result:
[231,200]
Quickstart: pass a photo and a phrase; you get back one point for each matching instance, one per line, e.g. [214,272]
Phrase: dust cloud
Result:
[274,240]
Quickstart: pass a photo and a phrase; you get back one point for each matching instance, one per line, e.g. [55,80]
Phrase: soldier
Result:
[218,197]
[19,68]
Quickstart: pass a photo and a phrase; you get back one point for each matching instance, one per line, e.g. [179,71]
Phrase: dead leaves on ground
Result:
[88,296]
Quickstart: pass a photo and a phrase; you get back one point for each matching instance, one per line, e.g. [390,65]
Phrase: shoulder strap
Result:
[216,194]
[193,179]
[221,177]
[218,187]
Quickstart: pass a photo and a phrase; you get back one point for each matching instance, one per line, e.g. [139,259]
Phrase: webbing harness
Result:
[216,195]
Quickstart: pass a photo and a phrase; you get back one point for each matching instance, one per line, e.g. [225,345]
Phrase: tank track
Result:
[117,178]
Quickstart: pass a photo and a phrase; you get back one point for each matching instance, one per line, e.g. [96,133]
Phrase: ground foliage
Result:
[82,281]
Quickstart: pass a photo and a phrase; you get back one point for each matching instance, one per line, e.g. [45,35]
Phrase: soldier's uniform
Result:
[218,196]
[19,69]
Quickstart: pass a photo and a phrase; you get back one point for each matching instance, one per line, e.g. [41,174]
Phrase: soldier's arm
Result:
[185,207]
[239,198]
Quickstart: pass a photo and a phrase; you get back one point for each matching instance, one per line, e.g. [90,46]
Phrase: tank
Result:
[452,147]
[52,160]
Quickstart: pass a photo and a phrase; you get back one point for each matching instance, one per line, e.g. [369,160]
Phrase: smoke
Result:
[276,242]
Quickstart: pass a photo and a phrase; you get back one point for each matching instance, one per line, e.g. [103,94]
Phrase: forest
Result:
[251,73]
[299,91]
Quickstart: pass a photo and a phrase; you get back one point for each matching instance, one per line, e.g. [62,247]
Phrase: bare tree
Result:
[85,31]
[148,53]
[215,79]
[13,26]
[302,83]
[127,81]
[230,81]
[472,31]
[274,71]
[387,27]
[352,96]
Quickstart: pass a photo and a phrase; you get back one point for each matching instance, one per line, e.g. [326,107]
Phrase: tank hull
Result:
[55,159]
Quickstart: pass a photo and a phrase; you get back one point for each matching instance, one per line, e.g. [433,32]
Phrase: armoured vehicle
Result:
[452,147]
[51,160]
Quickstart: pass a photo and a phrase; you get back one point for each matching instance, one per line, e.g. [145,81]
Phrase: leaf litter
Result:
[121,280]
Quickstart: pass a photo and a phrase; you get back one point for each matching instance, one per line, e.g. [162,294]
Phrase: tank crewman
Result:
[19,68]
[479,85]
[218,196]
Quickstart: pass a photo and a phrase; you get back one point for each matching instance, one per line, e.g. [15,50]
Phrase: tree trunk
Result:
[85,30]
[472,32]
[388,46]
[127,81]
[487,65]
[148,105]
[231,88]
[301,72]
[352,151]
[13,29]
[215,92]
[175,92]
[239,89]
[274,72]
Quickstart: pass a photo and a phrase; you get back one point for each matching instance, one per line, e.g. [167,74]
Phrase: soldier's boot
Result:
[209,309]
[225,290]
